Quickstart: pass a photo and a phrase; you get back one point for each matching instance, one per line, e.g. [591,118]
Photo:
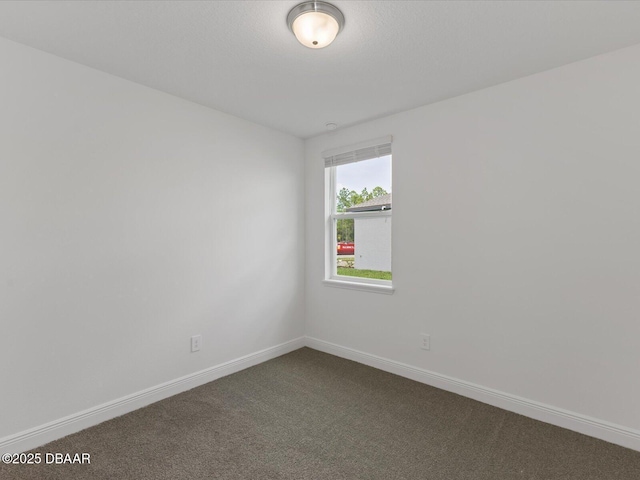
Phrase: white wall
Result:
[516,240]
[129,221]
[372,238]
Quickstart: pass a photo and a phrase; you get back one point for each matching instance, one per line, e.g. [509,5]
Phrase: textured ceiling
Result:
[240,58]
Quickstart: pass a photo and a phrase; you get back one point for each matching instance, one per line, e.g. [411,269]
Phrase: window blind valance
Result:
[358,152]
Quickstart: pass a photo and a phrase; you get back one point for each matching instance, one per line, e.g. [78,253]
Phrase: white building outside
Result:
[372,238]
[372,235]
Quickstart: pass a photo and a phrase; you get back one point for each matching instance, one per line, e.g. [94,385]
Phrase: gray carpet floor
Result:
[309,415]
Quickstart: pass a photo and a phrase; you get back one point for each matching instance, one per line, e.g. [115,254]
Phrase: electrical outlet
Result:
[196,342]
[425,341]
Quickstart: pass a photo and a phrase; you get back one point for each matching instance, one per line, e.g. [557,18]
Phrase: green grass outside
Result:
[352,272]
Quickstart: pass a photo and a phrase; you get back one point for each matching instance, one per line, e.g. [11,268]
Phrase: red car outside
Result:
[346,248]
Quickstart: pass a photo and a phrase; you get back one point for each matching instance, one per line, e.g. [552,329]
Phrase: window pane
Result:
[364,247]
[361,183]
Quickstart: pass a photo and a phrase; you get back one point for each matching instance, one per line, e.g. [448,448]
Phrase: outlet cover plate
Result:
[425,341]
[196,343]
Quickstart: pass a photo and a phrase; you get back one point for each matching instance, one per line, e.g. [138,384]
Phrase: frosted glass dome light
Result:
[315,24]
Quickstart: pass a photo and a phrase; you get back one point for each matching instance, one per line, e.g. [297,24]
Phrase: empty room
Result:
[373,240]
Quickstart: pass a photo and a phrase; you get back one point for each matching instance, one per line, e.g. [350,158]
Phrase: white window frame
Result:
[332,279]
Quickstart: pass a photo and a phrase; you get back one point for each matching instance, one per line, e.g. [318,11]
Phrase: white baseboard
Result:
[48,432]
[626,437]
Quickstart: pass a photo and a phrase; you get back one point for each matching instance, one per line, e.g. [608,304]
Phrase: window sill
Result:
[363,287]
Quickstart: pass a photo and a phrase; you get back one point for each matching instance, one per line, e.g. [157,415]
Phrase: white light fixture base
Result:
[315,24]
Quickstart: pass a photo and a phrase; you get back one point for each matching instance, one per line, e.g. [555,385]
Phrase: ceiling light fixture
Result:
[315,24]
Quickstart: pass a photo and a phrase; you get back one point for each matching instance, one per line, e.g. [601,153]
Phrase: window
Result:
[358,216]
